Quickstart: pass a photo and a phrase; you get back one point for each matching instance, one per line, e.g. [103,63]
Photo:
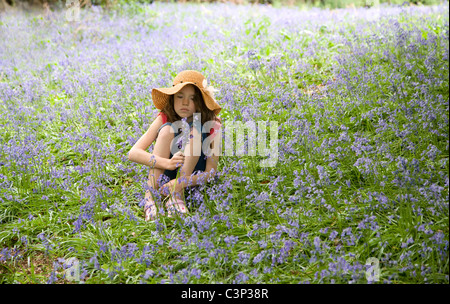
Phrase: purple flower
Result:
[317,243]
[333,234]
[259,257]
[148,273]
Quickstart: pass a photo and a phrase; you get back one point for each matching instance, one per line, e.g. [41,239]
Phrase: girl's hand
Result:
[176,161]
[171,187]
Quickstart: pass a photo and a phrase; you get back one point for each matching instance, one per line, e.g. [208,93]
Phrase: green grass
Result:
[67,189]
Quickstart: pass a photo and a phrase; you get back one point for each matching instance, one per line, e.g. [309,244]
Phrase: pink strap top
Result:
[217,124]
[163,117]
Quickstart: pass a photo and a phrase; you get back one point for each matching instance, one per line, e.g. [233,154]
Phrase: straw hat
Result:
[160,96]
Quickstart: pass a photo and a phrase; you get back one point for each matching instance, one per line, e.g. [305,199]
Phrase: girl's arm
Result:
[138,152]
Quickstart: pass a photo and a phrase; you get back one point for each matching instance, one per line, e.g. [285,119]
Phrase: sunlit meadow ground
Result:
[361,99]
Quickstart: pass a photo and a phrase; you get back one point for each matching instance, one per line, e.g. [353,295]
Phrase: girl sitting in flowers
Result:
[171,169]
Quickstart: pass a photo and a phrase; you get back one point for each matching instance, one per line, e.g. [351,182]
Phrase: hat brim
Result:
[160,97]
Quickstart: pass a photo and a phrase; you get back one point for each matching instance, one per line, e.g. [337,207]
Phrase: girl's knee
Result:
[191,159]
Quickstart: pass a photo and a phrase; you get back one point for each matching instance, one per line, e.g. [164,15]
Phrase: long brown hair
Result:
[200,106]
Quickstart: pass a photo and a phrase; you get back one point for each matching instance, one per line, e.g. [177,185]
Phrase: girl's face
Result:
[184,102]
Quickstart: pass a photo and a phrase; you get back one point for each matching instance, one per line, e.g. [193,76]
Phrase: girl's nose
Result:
[185,101]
